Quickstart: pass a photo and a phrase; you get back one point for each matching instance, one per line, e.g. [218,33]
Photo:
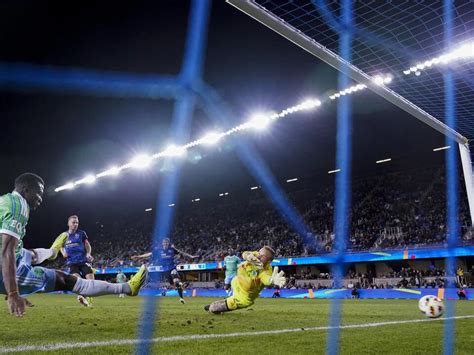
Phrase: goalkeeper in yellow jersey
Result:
[253,274]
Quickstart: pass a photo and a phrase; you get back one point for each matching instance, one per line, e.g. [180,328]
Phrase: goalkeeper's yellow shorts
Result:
[240,298]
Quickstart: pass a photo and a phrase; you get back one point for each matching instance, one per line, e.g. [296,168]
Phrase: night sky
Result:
[63,137]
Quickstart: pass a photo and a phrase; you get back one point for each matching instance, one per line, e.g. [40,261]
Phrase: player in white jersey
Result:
[18,275]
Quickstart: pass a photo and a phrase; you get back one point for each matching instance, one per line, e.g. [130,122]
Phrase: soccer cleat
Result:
[83,301]
[206,307]
[182,301]
[138,280]
[57,245]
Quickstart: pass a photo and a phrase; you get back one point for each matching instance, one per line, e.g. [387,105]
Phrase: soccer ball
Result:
[431,306]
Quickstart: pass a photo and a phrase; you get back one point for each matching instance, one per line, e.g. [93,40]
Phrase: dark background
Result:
[64,137]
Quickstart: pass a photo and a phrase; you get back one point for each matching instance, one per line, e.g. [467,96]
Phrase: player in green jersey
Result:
[231,262]
[121,278]
[18,276]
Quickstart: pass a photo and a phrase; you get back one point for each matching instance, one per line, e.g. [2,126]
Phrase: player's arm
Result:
[88,247]
[186,255]
[272,277]
[252,257]
[141,256]
[16,304]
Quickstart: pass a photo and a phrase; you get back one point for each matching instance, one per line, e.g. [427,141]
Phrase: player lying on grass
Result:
[18,276]
[252,276]
[166,255]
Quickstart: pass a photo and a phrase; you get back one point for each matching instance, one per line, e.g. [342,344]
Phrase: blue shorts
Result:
[31,279]
[228,278]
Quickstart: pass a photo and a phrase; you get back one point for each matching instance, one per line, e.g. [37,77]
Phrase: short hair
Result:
[71,217]
[28,180]
[269,249]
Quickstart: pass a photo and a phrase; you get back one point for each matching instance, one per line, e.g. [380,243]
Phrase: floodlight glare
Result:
[174,151]
[113,171]
[140,161]
[89,179]
[259,122]
[211,138]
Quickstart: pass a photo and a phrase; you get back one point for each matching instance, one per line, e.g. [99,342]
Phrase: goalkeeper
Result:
[252,276]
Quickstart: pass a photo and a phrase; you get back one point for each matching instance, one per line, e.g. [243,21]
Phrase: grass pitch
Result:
[60,319]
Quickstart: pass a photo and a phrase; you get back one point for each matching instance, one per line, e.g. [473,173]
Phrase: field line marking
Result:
[115,342]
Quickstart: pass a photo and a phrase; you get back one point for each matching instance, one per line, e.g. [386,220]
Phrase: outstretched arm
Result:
[141,256]
[186,255]
[16,304]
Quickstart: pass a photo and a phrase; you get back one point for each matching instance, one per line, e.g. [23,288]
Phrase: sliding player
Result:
[76,249]
[18,276]
[252,276]
[231,262]
[166,256]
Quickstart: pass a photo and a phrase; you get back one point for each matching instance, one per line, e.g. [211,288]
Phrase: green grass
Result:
[59,318]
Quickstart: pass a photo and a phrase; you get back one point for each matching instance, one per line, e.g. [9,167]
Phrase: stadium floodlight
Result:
[211,138]
[68,186]
[196,200]
[148,209]
[309,104]
[174,151]
[221,194]
[259,122]
[171,205]
[334,171]
[141,161]
[292,180]
[383,161]
[254,188]
[113,171]
[382,79]
[226,193]
[349,90]
[88,179]
[466,51]
[441,148]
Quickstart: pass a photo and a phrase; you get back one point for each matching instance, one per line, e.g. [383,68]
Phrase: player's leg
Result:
[67,282]
[75,270]
[176,281]
[227,283]
[88,273]
[239,300]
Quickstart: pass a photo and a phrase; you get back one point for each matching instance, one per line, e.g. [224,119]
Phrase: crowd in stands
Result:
[388,211]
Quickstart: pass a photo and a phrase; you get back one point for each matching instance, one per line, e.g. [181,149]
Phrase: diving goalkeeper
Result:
[252,276]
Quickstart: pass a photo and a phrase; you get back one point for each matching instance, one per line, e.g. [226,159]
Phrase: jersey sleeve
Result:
[10,223]
[61,240]
[266,275]
[84,236]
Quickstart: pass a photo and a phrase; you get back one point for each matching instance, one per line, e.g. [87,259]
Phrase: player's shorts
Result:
[81,269]
[31,279]
[229,277]
[240,298]
[171,275]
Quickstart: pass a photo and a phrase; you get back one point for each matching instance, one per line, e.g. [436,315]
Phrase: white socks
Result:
[41,255]
[91,288]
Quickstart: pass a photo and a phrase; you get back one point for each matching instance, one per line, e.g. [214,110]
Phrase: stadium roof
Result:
[390,38]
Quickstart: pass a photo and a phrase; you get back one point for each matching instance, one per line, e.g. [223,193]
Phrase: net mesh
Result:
[390,37]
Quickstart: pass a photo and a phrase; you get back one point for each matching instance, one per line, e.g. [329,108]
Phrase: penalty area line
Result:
[119,342]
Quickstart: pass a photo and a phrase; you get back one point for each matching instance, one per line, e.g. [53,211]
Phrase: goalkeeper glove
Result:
[253,259]
[278,278]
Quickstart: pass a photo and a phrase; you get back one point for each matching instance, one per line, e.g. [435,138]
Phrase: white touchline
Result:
[115,342]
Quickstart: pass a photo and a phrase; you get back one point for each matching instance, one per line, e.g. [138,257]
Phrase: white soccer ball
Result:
[431,306]
[423,302]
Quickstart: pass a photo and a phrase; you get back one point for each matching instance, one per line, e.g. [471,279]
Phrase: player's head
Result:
[31,187]
[166,243]
[230,252]
[266,254]
[73,223]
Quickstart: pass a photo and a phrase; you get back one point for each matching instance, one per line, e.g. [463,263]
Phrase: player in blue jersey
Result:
[76,249]
[18,273]
[166,256]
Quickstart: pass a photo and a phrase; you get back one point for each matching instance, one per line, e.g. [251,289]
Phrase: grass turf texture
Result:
[60,319]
